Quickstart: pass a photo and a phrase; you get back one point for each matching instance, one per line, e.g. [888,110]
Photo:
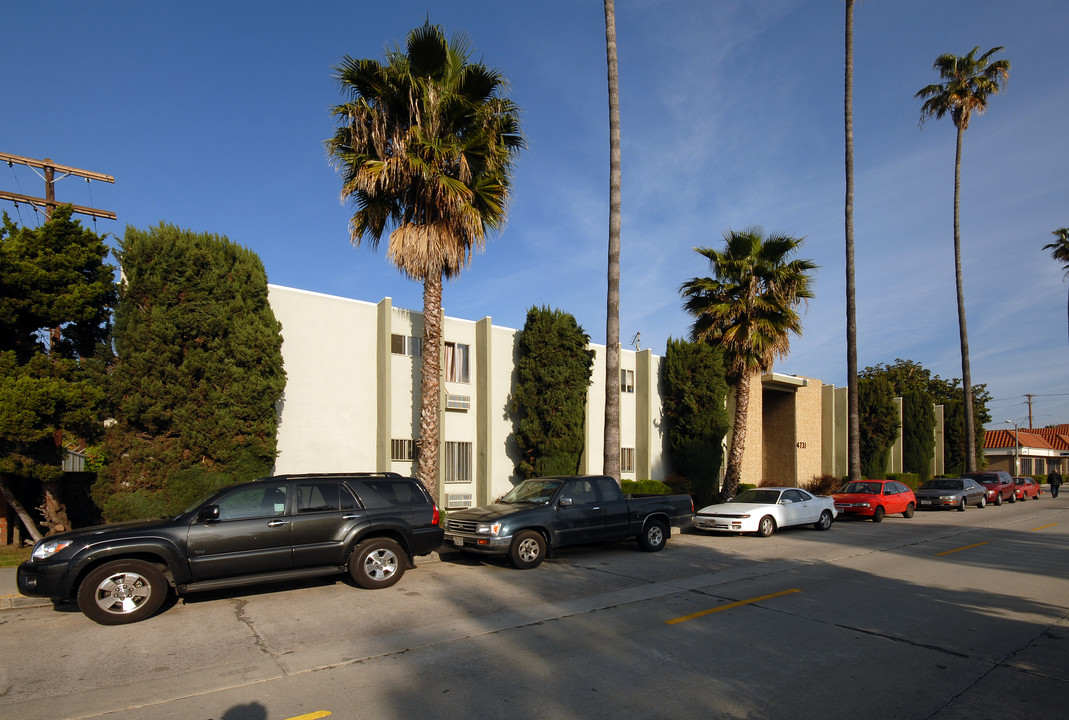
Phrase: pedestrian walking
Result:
[1055,480]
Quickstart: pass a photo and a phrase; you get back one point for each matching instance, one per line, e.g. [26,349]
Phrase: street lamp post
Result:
[1016,448]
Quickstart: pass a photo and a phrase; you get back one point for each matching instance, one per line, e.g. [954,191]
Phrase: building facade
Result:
[1028,451]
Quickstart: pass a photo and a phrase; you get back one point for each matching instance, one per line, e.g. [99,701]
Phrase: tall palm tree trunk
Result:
[966,374]
[430,388]
[611,458]
[733,474]
[853,412]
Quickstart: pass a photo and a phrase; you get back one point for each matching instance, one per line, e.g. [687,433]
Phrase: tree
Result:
[879,423]
[198,374]
[967,83]
[694,389]
[853,433]
[1059,249]
[748,308]
[552,376]
[907,376]
[55,299]
[918,433]
[425,145]
[611,458]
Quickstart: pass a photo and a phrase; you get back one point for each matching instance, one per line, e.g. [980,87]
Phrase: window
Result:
[581,492]
[627,460]
[259,500]
[456,362]
[405,345]
[402,449]
[627,381]
[457,465]
[389,493]
[324,497]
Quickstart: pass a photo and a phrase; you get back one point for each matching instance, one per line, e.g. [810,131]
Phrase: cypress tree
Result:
[198,375]
[879,424]
[696,419]
[918,433]
[552,378]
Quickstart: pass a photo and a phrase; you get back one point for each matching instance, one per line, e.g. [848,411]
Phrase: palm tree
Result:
[749,308]
[1060,249]
[611,456]
[853,432]
[425,145]
[967,83]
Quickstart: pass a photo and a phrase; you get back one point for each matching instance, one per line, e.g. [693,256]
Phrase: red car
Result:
[1026,487]
[874,499]
[998,483]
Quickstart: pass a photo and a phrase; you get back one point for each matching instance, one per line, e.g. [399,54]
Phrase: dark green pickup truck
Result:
[552,512]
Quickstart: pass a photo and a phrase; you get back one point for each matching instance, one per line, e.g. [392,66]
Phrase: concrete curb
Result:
[17,602]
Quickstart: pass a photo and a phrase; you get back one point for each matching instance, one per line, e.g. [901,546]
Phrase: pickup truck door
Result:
[615,509]
[579,516]
[327,513]
[252,534]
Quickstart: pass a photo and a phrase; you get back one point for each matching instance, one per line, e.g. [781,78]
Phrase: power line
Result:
[48,202]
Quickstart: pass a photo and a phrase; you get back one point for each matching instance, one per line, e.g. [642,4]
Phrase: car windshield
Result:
[758,497]
[942,485]
[532,491]
[862,488]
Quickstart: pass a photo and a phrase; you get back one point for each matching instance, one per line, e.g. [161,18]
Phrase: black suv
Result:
[370,525]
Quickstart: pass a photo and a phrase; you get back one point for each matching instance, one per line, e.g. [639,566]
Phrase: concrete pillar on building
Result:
[383,385]
[896,449]
[484,401]
[645,391]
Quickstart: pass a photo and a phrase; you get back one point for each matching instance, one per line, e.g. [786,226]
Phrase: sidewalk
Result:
[10,598]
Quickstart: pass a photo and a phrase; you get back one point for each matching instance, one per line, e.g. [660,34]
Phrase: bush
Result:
[679,485]
[824,484]
[647,487]
[913,480]
[743,487]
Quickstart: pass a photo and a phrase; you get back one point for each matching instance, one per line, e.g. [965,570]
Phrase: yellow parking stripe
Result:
[1042,527]
[729,606]
[312,715]
[967,547]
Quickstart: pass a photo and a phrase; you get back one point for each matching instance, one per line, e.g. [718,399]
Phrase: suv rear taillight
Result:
[434,518]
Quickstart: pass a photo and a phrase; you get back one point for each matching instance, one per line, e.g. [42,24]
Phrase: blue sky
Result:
[211,116]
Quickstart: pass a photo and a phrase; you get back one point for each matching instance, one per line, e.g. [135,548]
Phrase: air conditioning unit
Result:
[458,402]
[455,501]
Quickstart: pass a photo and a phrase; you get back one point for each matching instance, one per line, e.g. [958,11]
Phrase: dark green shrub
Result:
[913,480]
[824,484]
[645,487]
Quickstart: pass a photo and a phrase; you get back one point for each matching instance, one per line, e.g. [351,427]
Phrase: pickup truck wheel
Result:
[654,536]
[121,592]
[528,549]
[824,523]
[766,526]
[377,563]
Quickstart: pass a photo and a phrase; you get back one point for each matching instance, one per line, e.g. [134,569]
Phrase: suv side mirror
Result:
[208,514]
[565,502]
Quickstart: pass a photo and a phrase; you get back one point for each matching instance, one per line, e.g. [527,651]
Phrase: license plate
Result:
[458,541]
[926,502]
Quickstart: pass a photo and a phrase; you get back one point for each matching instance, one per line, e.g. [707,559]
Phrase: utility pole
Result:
[48,202]
[1029,396]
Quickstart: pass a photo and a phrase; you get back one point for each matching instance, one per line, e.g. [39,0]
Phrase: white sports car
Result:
[762,510]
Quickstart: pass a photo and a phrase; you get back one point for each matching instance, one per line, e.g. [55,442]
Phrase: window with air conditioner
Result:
[456,362]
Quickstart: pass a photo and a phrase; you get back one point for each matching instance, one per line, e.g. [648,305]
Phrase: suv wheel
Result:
[121,592]
[377,563]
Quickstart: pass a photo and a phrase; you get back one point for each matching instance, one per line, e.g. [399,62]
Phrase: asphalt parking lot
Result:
[944,615]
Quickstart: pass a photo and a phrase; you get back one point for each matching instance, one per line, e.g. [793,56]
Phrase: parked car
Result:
[951,494]
[874,499]
[370,525]
[998,483]
[1026,487]
[762,511]
[544,513]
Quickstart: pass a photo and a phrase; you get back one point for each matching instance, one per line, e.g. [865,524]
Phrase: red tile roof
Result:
[1043,438]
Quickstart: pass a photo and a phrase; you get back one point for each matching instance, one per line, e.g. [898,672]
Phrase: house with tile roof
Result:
[1028,451]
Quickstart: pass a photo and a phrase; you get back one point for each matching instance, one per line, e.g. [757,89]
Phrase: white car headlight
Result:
[47,548]
[488,528]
